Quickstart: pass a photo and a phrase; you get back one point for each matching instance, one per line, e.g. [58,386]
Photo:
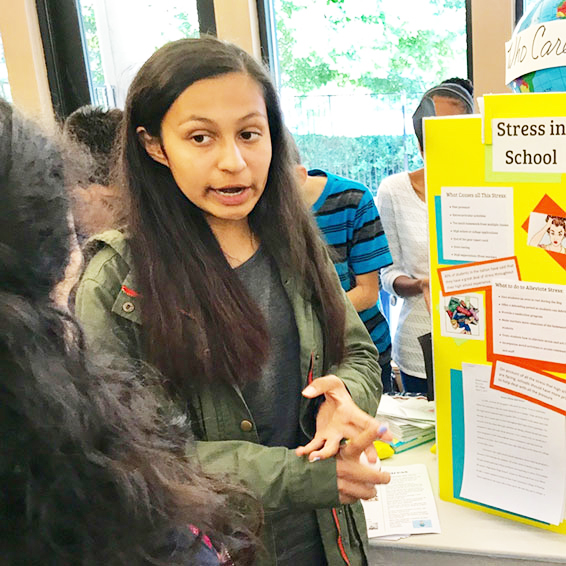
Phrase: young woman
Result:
[92,473]
[402,207]
[223,283]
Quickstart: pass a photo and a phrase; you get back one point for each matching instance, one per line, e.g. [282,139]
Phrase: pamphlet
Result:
[405,506]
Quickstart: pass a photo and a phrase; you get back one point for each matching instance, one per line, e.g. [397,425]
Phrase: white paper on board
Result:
[477,223]
[532,384]
[474,275]
[539,235]
[462,316]
[515,451]
[481,107]
[529,145]
[529,320]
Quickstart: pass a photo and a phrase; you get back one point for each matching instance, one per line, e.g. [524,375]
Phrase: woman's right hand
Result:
[549,221]
[357,480]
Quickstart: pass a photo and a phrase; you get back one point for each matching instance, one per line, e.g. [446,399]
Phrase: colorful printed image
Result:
[547,232]
[463,316]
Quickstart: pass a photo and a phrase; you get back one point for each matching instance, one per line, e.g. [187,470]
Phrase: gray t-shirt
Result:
[274,403]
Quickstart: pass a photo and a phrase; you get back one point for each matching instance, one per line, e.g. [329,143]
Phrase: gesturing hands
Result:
[355,479]
[338,418]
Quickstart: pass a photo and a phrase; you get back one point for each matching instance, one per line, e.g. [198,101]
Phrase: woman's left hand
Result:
[426,293]
[338,418]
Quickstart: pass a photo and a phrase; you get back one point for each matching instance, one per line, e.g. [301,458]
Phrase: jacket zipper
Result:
[339,540]
[334,514]
[311,370]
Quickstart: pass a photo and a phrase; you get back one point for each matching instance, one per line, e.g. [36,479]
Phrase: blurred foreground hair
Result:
[93,469]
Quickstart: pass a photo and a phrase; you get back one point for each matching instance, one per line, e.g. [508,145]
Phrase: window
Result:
[351,72]
[350,75]
[523,7]
[115,38]
[528,4]
[5,92]
[120,36]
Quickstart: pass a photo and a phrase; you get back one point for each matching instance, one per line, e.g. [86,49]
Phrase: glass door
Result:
[118,36]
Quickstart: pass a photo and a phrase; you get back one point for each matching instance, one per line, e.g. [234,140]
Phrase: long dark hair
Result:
[198,319]
[92,470]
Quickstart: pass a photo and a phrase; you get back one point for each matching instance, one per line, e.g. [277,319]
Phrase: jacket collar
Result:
[127,300]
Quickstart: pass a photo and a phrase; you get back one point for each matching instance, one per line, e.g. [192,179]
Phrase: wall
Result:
[24,57]
[236,21]
[492,25]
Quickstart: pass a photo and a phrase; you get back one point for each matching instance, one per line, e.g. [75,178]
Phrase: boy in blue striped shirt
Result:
[347,216]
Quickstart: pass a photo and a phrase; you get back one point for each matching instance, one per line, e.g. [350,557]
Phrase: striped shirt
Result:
[347,216]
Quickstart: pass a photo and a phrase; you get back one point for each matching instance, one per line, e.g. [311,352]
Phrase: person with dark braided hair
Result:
[94,470]
[401,204]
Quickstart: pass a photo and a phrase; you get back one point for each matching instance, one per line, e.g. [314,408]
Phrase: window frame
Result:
[268,38]
[60,26]
[67,75]
[469,36]
[519,10]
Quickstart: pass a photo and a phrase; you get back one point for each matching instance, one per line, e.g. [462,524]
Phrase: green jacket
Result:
[108,308]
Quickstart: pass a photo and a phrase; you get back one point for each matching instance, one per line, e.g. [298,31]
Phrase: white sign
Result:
[529,145]
[538,47]
[474,275]
[529,320]
[536,386]
[515,451]
[477,223]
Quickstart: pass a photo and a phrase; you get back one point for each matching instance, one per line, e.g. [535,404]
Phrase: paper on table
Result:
[410,408]
[405,506]
[515,451]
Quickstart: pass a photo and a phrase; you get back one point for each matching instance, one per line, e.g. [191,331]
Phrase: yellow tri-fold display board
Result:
[496,197]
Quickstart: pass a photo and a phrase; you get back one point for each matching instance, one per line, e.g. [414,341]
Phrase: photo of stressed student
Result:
[223,283]
[551,236]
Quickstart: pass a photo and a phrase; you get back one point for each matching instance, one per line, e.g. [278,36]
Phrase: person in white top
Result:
[401,205]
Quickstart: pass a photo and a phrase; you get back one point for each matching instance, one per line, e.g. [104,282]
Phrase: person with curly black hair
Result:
[94,469]
[98,203]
